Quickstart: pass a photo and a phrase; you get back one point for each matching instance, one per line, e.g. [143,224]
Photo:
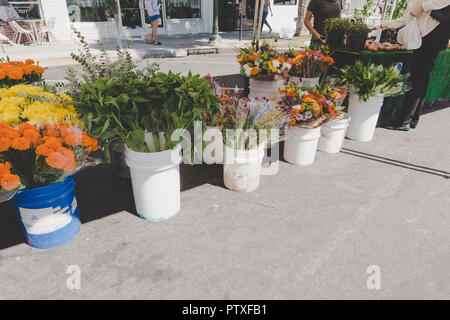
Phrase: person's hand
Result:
[317,36]
[416,10]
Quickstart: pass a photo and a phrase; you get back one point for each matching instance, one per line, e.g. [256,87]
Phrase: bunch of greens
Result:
[93,67]
[369,80]
[336,25]
[127,109]
[360,28]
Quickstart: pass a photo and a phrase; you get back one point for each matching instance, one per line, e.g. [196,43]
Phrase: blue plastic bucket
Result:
[49,215]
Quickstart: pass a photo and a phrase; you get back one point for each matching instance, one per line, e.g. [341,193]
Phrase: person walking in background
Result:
[152,7]
[435,37]
[320,10]
[266,9]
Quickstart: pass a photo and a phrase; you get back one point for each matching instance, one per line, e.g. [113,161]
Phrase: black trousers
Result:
[422,64]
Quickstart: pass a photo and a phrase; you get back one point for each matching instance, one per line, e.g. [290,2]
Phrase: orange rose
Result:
[254,71]
[10,182]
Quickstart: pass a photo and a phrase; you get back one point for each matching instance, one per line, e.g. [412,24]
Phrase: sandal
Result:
[157,44]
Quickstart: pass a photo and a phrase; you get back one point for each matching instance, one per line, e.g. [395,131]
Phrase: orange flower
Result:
[254,71]
[26,126]
[21,144]
[39,70]
[29,61]
[4,169]
[10,181]
[9,133]
[73,140]
[64,160]
[5,144]
[2,75]
[281,60]
[32,135]
[293,122]
[51,131]
[43,150]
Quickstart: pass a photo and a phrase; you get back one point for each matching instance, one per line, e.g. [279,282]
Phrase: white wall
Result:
[283,17]
[57,9]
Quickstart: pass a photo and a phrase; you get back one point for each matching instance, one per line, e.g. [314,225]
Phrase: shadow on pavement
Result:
[100,193]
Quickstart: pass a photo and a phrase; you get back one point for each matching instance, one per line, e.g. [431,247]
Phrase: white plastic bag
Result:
[409,35]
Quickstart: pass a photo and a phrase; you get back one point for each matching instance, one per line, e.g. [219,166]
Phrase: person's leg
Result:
[155,24]
[264,19]
[423,62]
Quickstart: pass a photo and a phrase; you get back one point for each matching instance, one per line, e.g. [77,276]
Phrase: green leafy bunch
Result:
[359,28]
[102,66]
[368,79]
[337,25]
[128,108]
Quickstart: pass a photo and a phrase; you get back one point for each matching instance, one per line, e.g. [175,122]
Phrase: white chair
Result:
[5,38]
[19,31]
[47,29]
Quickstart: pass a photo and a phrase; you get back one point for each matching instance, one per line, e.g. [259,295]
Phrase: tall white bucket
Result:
[301,145]
[268,89]
[156,182]
[242,168]
[332,135]
[364,117]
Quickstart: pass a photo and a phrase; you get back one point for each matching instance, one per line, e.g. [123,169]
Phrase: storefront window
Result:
[27,10]
[183,9]
[88,10]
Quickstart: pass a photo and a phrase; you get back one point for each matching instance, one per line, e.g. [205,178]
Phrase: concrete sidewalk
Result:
[307,233]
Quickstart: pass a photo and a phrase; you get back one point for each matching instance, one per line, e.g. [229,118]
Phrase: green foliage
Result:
[102,66]
[347,26]
[127,108]
[359,27]
[400,8]
[337,25]
[369,80]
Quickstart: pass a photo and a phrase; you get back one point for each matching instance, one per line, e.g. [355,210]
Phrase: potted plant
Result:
[145,113]
[335,29]
[307,66]
[357,35]
[37,164]
[266,69]
[18,72]
[369,84]
[303,132]
[246,124]
[333,130]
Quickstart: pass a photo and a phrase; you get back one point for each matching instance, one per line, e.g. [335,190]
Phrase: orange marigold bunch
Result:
[15,72]
[59,146]
[8,181]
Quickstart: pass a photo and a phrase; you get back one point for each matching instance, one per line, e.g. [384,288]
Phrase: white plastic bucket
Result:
[332,135]
[268,89]
[301,145]
[242,168]
[156,182]
[364,117]
[305,82]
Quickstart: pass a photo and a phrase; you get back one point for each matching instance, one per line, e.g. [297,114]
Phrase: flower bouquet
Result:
[18,72]
[306,117]
[36,168]
[246,124]
[331,95]
[27,103]
[266,68]
[308,66]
